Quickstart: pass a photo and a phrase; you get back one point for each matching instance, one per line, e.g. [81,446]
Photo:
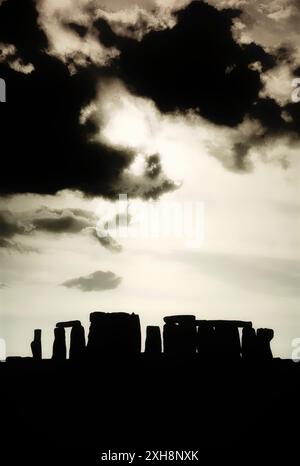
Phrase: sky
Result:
[169,103]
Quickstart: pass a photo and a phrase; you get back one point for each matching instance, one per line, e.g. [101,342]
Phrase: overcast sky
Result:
[173,102]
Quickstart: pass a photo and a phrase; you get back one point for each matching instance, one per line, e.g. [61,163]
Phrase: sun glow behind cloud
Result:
[187,143]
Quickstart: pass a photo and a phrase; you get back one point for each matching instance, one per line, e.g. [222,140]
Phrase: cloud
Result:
[135,22]
[45,219]
[64,141]
[106,240]
[224,78]
[61,220]
[124,120]
[16,246]
[273,25]
[278,84]
[2,286]
[6,51]
[97,281]
[115,112]
[18,31]
[5,243]
[150,183]
[232,83]
[72,27]
[171,29]
[10,225]
[45,148]
[8,55]
[186,67]
[74,36]
[264,22]
[65,42]
[52,221]
[18,65]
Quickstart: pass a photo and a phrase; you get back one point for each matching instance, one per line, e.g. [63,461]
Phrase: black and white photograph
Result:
[149,231]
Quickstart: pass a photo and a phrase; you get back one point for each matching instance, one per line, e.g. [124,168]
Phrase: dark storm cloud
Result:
[195,65]
[199,65]
[97,281]
[44,147]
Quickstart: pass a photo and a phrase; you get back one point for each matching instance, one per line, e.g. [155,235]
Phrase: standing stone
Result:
[36,345]
[77,342]
[153,345]
[180,335]
[59,345]
[114,334]
[264,337]
[249,344]
[228,341]
[206,340]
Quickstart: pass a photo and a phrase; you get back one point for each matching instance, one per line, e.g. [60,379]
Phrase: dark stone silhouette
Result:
[220,338]
[179,319]
[180,335]
[114,334]
[263,338]
[234,323]
[68,323]
[59,345]
[119,334]
[206,340]
[153,345]
[210,338]
[36,345]
[249,344]
[228,345]
[77,342]
[116,399]
[256,344]
[77,338]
